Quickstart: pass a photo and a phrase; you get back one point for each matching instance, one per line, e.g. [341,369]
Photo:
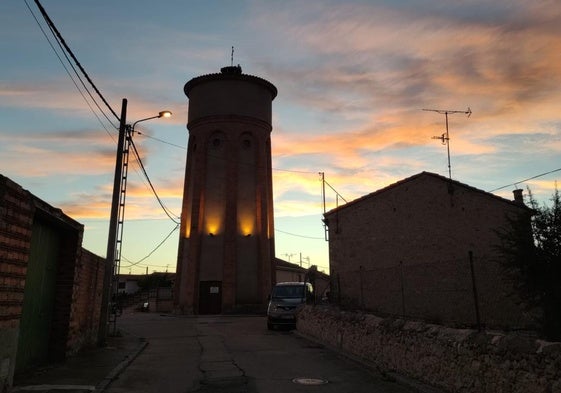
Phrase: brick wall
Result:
[15,237]
[77,306]
[454,360]
[404,250]
[86,302]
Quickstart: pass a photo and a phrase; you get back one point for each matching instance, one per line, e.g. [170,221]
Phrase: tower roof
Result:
[230,73]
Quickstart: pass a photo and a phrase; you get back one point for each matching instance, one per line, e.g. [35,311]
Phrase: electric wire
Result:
[284,170]
[232,160]
[66,49]
[302,236]
[334,190]
[69,73]
[85,87]
[525,180]
[63,42]
[161,140]
[222,158]
[329,185]
[168,212]
[81,80]
[141,265]
[174,218]
[153,250]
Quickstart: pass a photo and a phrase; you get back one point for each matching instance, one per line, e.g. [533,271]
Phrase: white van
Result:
[285,299]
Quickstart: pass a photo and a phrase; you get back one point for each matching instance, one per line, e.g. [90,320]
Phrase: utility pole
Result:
[325,230]
[112,237]
[116,222]
[445,137]
[307,259]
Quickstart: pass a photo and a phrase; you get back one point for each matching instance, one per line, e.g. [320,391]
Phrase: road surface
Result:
[236,354]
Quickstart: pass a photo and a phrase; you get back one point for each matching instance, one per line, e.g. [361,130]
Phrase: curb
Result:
[114,374]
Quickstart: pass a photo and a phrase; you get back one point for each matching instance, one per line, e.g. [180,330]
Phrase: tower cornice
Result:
[221,119]
[229,77]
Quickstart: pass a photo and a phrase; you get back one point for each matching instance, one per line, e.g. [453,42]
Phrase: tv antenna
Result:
[232,57]
[288,256]
[445,137]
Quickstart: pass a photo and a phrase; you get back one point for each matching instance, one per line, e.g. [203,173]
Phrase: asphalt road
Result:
[236,354]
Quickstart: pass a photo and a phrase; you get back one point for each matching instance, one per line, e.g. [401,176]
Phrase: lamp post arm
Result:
[161,114]
[138,121]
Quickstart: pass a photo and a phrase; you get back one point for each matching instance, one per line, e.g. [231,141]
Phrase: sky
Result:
[353,78]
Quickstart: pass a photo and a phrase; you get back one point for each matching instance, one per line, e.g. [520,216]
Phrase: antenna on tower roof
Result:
[232,58]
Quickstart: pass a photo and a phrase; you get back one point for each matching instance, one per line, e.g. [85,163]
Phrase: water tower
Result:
[226,246]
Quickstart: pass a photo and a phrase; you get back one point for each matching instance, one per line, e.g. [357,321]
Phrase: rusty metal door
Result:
[210,297]
[39,297]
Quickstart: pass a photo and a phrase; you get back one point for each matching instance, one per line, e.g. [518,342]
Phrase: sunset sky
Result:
[353,77]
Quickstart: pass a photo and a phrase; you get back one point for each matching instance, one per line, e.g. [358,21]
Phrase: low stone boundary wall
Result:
[454,360]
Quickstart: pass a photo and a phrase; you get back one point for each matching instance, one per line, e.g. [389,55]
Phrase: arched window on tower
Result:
[247,185]
[215,192]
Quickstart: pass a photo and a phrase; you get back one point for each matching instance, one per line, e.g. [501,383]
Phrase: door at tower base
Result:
[210,297]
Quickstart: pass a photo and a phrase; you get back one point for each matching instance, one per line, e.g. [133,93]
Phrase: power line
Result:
[222,158]
[334,190]
[525,180]
[166,210]
[80,79]
[141,265]
[294,234]
[260,166]
[154,250]
[65,49]
[69,74]
[161,140]
[63,42]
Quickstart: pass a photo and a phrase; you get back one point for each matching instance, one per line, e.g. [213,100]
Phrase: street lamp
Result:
[113,256]
[161,114]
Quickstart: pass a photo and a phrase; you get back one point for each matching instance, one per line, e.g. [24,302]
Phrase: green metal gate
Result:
[39,297]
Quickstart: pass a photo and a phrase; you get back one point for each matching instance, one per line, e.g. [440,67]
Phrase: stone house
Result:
[50,287]
[426,247]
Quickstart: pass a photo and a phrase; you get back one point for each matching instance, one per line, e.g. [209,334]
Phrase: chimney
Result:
[518,196]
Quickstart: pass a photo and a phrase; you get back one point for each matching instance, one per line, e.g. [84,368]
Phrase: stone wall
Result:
[454,360]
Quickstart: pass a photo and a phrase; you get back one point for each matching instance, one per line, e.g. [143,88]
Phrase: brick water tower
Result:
[226,246]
